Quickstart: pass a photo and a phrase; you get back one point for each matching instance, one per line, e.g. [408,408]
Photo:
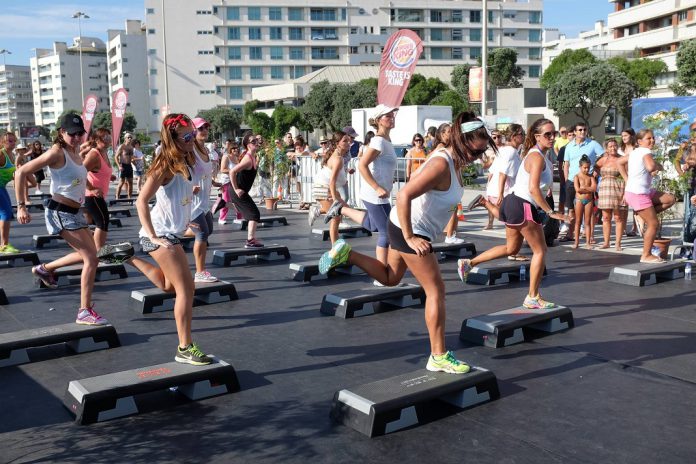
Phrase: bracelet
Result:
[21,204]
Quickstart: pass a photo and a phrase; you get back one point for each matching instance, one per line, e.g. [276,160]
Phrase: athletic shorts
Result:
[148,247]
[245,206]
[569,195]
[639,201]
[376,220]
[398,242]
[6,213]
[515,211]
[126,171]
[96,207]
[202,226]
[40,175]
[60,217]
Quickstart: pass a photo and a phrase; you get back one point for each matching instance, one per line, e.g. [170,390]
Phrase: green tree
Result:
[348,96]
[103,120]
[248,109]
[587,86]
[285,117]
[503,71]
[686,67]
[224,121]
[318,106]
[460,80]
[642,72]
[422,91]
[454,99]
[562,63]
[261,123]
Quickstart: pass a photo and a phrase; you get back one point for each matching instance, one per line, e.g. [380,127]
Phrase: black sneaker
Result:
[475,202]
[192,355]
[253,243]
[333,211]
[116,254]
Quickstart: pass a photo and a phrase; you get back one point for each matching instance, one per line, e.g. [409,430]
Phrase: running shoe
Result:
[314,212]
[454,240]
[88,316]
[46,276]
[537,303]
[38,192]
[222,222]
[477,201]
[192,355]
[463,268]
[335,257]
[334,210]
[116,254]
[204,277]
[9,248]
[377,283]
[253,243]
[447,363]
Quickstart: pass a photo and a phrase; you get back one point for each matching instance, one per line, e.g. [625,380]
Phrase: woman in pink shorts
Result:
[639,195]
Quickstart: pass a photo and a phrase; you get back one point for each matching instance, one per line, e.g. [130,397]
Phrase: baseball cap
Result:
[200,122]
[383,109]
[72,124]
[348,130]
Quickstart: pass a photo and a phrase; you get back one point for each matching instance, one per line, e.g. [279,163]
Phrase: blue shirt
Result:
[573,153]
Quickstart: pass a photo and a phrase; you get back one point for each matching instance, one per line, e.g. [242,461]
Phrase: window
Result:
[276,33]
[153,71]
[233,13]
[205,71]
[203,12]
[456,16]
[233,33]
[535,17]
[457,35]
[490,34]
[204,32]
[152,51]
[322,14]
[353,50]
[154,92]
[255,53]
[535,35]
[234,53]
[474,16]
[457,53]
[150,11]
[155,112]
[296,33]
[436,53]
[410,16]
[324,53]
[277,72]
[254,33]
[254,13]
[683,15]
[295,14]
[276,53]
[509,33]
[150,31]
[534,71]
[298,71]
[256,72]
[324,34]
[436,34]
[206,92]
[491,16]
[509,14]
[236,93]
[382,31]
[353,30]
[275,13]
[437,16]
[474,53]
[235,73]
[205,52]
[296,53]
[535,53]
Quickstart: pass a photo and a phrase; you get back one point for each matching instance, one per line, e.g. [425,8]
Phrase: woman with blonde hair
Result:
[611,192]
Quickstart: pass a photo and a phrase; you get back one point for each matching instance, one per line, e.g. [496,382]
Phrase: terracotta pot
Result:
[325,205]
[271,203]
[663,245]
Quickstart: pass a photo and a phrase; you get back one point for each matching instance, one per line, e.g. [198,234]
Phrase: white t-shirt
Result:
[382,169]
[507,162]
[639,179]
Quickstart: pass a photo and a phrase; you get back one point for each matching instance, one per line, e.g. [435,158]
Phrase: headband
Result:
[180,119]
[471,126]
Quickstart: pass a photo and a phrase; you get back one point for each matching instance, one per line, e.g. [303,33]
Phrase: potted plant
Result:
[275,161]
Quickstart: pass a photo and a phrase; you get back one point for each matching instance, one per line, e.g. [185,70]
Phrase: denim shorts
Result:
[148,247]
[6,213]
[66,219]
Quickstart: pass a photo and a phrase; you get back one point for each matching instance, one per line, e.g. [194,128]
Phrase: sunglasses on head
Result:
[187,137]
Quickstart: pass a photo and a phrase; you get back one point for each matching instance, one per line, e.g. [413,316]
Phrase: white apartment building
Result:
[55,78]
[16,105]
[217,51]
[127,60]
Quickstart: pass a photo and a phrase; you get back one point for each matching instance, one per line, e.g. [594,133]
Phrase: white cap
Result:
[383,109]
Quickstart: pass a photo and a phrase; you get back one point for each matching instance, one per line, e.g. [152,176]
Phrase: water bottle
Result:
[655,251]
[523,273]
[687,272]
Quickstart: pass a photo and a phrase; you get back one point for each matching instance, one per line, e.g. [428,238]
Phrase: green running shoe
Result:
[192,355]
[335,257]
[447,363]
[9,248]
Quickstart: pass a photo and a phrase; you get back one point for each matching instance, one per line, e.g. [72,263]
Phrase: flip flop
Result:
[653,261]
[475,202]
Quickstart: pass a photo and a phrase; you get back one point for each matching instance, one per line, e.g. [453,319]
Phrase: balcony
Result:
[356,40]
[646,11]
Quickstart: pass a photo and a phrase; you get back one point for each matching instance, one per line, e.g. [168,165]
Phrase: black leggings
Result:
[96,207]
[246,206]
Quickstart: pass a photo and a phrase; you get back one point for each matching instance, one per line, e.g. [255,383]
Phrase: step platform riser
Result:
[240,256]
[272,221]
[343,232]
[307,272]
[74,277]
[371,301]
[29,258]
[456,251]
[643,275]
[498,274]
[156,300]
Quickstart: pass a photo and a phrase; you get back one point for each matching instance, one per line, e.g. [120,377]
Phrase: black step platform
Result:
[454,250]
[80,338]
[265,221]
[643,274]
[70,275]
[121,211]
[309,270]
[123,201]
[116,222]
[511,326]
[23,258]
[109,396]
[42,240]
[386,406]
[371,300]
[241,255]
[38,196]
[498,272]
[344,231]
[156,300]
[3,297]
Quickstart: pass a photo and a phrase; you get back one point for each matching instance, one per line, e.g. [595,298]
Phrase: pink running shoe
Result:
[88,316]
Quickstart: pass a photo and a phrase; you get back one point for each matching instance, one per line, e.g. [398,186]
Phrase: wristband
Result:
[21,204]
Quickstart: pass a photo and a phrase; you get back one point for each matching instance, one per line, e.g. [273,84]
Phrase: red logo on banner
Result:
[118,112]
[476,84]
[399,59]
[88,110]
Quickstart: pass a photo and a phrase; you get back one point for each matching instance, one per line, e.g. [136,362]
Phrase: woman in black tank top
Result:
[242,177]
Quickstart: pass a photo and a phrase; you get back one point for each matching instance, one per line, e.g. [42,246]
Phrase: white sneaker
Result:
[222,223]
[564,229]
[453,240]
[38,192]
[377,283]
[582,229]
[314,212]
[204,277]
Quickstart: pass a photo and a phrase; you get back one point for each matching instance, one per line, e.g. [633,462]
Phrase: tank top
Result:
[521,187]
[202,176]
[431,211]
[101,178]
[7,170]
[70,180]
[245,178]
[639,179]
[172,211]
[324,176]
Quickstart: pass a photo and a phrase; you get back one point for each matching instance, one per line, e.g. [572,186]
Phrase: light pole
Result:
[79,15]
[4,52]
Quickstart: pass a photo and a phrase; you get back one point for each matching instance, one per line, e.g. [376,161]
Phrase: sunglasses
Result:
[253,142]
[580,130]
[548,135]
[187,137]
[77,134]
[418,140]
[564,132]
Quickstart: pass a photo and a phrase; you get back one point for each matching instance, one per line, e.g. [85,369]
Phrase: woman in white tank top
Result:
[422,210]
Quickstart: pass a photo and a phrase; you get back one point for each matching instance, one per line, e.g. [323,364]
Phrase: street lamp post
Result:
[4,52]
[79,15]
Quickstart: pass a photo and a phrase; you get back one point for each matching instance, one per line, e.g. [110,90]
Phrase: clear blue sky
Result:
[32,24]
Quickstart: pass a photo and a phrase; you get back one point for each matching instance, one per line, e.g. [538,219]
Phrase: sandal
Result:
[656,260]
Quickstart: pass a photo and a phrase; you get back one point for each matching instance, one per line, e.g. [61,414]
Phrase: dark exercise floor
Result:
[619,387]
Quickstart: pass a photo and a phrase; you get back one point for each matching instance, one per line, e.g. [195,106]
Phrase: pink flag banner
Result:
[118,112]
[399,59]
[89,109]
[476,84]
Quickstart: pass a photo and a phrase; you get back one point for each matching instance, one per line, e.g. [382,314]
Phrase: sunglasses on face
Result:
[580,130]
[253,142]
[77,134]
[418,140]
[548,135]
[564,132]
[187,137]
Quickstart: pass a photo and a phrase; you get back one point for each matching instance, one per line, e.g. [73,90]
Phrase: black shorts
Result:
[126,171]
[397,240]
[97,209]
[40,175]
[570,195]
[515,211]
[245,206]
[148,247]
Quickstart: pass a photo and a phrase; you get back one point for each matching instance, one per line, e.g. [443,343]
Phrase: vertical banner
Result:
[399,59]
[89,109]
[118,111]
[476,84]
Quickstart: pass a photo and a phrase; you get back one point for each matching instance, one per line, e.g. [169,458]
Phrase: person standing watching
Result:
[7,170]
[138,163]
[124,157]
